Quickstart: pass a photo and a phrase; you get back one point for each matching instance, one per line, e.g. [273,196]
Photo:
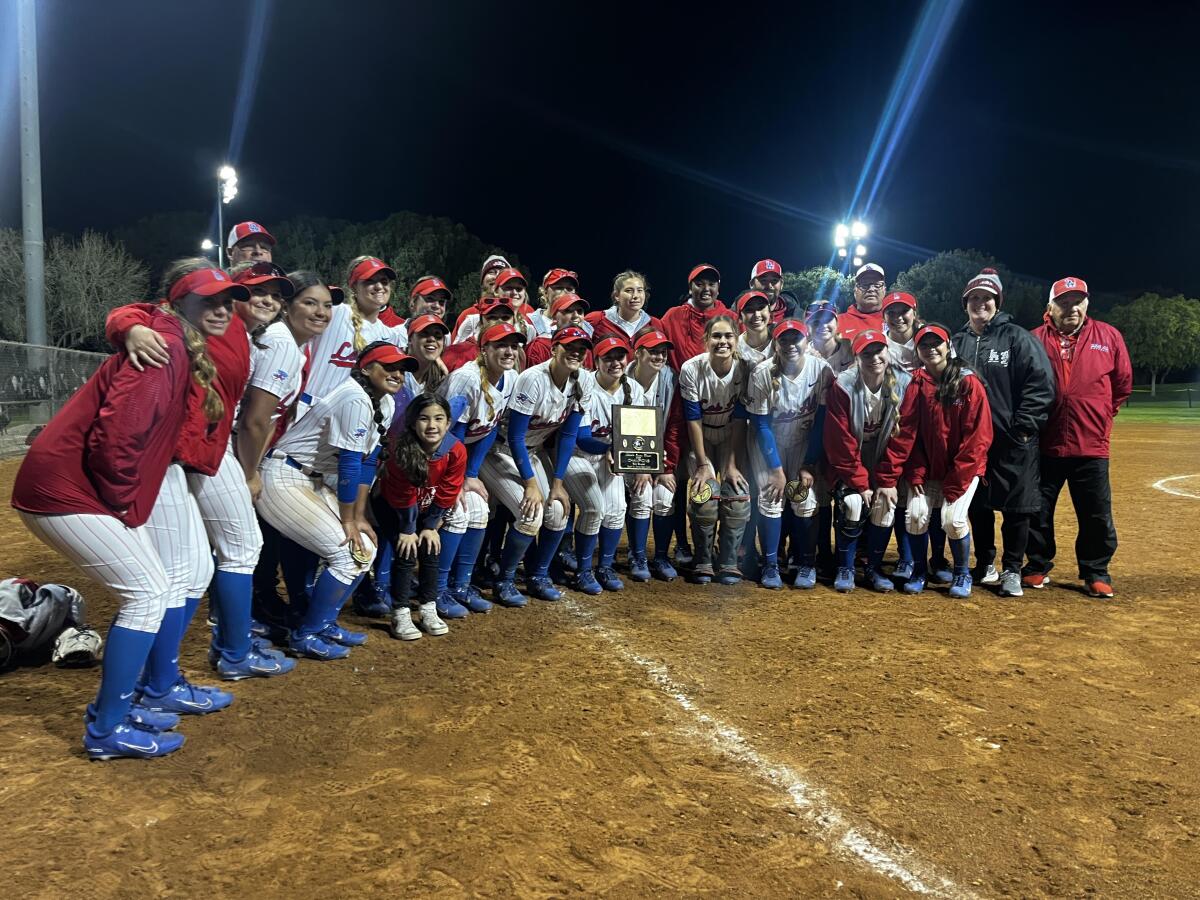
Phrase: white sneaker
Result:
[402,626]
[430,621]
[991,576]
[1010,584]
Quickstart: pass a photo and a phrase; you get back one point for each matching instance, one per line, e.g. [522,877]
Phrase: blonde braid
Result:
[487,388]
[356,320]
[204,371]
[893,396]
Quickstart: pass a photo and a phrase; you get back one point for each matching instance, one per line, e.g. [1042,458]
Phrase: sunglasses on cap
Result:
[264,270]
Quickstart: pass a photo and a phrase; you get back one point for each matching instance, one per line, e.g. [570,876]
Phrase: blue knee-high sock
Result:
[768,538]
[190,605]
[787,524]
[230,592]
[162,661]
[639,530]
[877,541]
[516,543]
[804,540]
[919,545]
[324,605]
[125,655]
[467,555]
[844,551]
[585,550]
[383,565]
[450,544]
[960,549]
[547,546]
[937,539]
[609,539]
[664,530]
[903,551]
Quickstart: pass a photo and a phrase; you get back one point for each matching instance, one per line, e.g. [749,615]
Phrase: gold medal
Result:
[796,491]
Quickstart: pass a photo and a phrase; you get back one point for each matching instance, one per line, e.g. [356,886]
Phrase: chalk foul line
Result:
[877,850]
[1163,484]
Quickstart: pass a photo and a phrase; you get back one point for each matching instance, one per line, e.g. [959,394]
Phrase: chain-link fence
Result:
[35,382]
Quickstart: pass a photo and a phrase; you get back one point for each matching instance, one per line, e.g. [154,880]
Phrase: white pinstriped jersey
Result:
[840,360]
[793,405]
[752,356]
[470,326]
[277,367]
[903,356]
[342,420]
[537,396]
[716,394]
[333,352]
[599,412]
[465,383]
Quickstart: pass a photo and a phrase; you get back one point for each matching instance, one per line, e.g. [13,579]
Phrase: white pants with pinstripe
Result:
[305,510]
[228,515]
[597,492]
[954,515]
[653,497]
[503,480]
[469,511]
[791,454]
[177,532]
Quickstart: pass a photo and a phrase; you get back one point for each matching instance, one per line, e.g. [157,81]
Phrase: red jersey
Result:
[458,355]
[107,450]
[201,443]
[447,469]
[684,325]
[1092,378]
[854,320]
[937,442]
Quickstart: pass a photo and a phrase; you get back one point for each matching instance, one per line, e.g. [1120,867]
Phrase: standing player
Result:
[685,324]
[627,317]
[1093,378]
[566,310]
[90,481]
[786,403]
[863,416]
[511,286]
[941,449]
[249,242]
[428,297]
[548,400]
[767,278]
[555,283]
[712,386]
[754,314]
[315,484]
[900,316]
[494,312]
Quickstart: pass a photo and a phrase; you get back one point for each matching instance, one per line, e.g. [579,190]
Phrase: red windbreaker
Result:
[201,443]
[603,326]
[106,451]
[1092,378]
[458,355]
[684,325]
[938,442]
[447,469]
[390,317]
[854,320]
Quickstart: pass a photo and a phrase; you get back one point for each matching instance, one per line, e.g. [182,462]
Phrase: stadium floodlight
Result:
[858,230]
[841,235]
[842,252]
[860,250]
[206,245]
[857,261]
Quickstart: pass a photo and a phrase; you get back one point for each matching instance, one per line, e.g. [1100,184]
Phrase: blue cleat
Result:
[187,699]
[729,577]
[540,587]
[770,577]
[471,599]
[586,583]
[961,588]
[661,568]
[568,560]
[683,555]
[939,571]
[639,569]
[608,579]
[881,582]
[140,717]
[448,606]
[375,604]
[844,580]
[127,741]
[333,632]
[313,646]
[255,665]
[903,570]
[806,578]
[914,586]
[506,594]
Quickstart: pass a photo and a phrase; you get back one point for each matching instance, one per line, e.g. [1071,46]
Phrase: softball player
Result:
[863,416]
[354,325]
[494,312]
[945,431]
[429,297]
[786,401]
[598,492]
[315,484]
[567,310]
[754,314]
[657,381]
[900,316]
[511,286]
[479,395]
[548,400]
[555,283]
[712,386]
[421,482]
[627,317]
[90,482]
[822,321]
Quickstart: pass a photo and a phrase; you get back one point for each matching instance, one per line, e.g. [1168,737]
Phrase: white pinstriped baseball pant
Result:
[503,480]
[954,515]
[469,511]
[791,454]
[228,515]
[597,492]
[177,533]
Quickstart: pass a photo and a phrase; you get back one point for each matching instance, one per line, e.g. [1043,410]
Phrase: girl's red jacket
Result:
[447,469]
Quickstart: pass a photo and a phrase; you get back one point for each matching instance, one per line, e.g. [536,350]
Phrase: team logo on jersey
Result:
[360,432]
[999,357]
[280,375]
[345,356]
[524,398]
[1103,348]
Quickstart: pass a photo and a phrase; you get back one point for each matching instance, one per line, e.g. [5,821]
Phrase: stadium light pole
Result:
[226,191]
[31,176]
[843,234]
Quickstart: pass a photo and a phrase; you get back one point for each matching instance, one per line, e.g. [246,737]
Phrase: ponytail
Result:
[486,388]
[361,379]
[204,371]
[950,384]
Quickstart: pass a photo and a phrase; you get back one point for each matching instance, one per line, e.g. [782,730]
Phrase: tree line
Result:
[88,275]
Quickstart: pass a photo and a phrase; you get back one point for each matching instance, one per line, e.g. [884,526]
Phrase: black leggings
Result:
[1014,531]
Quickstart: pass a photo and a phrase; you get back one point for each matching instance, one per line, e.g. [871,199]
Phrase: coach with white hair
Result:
[1093,377]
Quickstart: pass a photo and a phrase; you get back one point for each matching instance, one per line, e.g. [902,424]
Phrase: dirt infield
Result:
[669,740]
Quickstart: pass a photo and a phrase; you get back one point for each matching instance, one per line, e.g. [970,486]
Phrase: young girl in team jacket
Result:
[945,430]
[422,479]
[90,483]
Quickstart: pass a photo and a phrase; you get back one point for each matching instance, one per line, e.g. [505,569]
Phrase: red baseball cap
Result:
[652,339]
[265,273]
[563,302]
[609,344]
[500,331]
[507,275]
[899,297]
[430,284]
[750,296]
[243,230]
[554,276]
[1068,285]
[766,267]
[420,323]
[369,268]
[789,325]
[571,335]
[865,339]
[385,354]
[700,269]
[936,330]
[207,283]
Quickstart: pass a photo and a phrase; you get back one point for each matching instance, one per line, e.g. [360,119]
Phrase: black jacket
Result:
[1020,386]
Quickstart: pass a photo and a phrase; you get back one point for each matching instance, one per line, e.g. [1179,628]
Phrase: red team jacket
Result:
[937,442]
[107,450]
[201,443]
[1092,378]
[603,327]
[853,320]
[447,469]
[684,325]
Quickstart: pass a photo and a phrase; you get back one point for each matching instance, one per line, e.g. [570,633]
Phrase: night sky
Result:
[1062,137]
